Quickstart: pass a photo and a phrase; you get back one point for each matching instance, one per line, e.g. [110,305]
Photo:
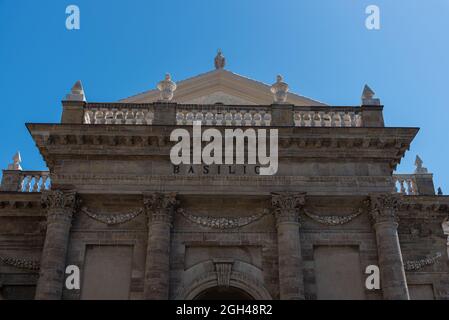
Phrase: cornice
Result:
[256,180]
[385,144]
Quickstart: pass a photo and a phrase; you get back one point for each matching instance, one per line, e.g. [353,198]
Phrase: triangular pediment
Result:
[222,86]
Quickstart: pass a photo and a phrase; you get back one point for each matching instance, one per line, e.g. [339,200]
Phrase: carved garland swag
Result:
[25,264]
[112,219]
[414,265]
[333,220]
[222,222]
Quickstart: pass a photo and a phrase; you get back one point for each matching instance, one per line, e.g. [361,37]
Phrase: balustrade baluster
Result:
[401,182]
[44,183]
[247,118]
[36,183]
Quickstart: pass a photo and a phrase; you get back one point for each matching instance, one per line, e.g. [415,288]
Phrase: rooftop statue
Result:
[220,60]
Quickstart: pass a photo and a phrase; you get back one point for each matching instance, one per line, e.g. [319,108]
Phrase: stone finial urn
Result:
[76,93]
[17,159]
[368,97]
[279,90]
[419,166]
[166,87]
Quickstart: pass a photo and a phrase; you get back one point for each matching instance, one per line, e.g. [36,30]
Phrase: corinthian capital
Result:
[160,207]
[384,208]
[57,199]
[286,206]
[59,203]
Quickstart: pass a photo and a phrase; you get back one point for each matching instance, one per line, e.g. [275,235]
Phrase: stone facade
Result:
[113,204]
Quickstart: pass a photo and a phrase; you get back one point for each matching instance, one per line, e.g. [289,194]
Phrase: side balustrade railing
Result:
[25,181]
[218,115]
[37,181]
[405,184]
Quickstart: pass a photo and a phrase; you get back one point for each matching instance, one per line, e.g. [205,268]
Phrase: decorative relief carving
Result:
[112,219]
[333,220]
[160,207]
[305,142]
[60,205]
[26,264]
[222,222]
[337,220]
[250,180]
[384,208]
[57,199]
[286,206]
[223,269]
[413,265]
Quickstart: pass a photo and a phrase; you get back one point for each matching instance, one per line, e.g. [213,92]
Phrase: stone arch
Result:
[243,276]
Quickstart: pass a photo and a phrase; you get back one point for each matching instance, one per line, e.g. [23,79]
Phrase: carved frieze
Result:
[222,222]
[25,264]
[333,220]
[337,220]
[414,265]
[286,206]
[311,142]
[112,219]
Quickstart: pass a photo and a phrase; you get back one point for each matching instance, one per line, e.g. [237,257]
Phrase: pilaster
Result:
[60,207]
[160,208]
[384,209]
[286,207]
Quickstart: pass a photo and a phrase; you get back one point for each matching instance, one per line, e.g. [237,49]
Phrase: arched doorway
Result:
[223,293]
[203,283]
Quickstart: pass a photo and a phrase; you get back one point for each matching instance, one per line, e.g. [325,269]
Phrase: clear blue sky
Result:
[321,47]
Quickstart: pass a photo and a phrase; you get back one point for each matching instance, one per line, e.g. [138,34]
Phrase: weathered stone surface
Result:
[160,209]
[385,219]
[116,156]
[60,208]
[286,207]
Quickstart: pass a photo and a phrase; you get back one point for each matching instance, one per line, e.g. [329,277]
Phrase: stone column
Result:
[286,209]
[160,208]
[384,216]
[60,207]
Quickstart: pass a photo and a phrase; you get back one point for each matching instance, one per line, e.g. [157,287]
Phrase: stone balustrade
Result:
[38,181]
[218,115]
[405,184]
[221,115]
[328,117]
[118,113]
[34,181]
[25,181]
